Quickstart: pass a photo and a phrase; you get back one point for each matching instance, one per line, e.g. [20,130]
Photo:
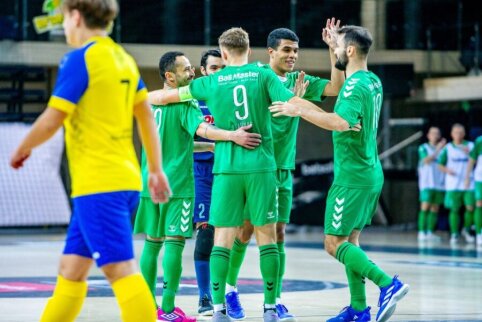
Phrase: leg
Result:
[172,267]
[478,222]
[202,252]
[269,261]
[356,282]
[237,254]
[148,262]
[70,290]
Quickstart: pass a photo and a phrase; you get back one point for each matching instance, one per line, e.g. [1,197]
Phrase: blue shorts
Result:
[101,227]
[203,181]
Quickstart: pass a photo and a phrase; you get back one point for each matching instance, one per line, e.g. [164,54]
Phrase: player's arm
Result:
[443,162]
[157,181]
[468,172]
[241,137]
[164,96]
[181,94]
[337,76]
[203,147]
[431,157]
[308,111]
[43,129]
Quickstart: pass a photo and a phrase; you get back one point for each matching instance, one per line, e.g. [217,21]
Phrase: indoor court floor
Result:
[446,282]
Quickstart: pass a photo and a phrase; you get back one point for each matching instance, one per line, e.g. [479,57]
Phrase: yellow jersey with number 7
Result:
[98,86]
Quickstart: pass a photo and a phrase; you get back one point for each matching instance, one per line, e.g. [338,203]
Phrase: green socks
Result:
[282,267]
[148,263]
[432,221]
[468,219]
[355,259]
[422,220]
[218,266]
[356,283]
[269,263]
[237,256]
[172,266]
[478,220]
[454,221]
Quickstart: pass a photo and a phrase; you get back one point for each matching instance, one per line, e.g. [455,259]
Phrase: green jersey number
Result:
[157,117]
[240,100]
[377,104]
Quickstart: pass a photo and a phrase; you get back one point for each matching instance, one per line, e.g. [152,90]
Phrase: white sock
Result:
[278,300]
[269,306]
[230,288]
[218,307]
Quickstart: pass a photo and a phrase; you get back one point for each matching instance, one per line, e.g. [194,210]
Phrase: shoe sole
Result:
[291,319]
[206,313]
[392,305]
[238,319]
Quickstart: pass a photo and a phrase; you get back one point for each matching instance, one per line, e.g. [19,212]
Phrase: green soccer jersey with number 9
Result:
[238,96]
[355,153]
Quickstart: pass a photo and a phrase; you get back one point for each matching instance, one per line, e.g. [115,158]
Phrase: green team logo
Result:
[53,18]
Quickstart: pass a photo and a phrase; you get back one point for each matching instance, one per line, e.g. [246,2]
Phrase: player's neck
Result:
[236,60]
[276,70]
[86,34]
[355,66]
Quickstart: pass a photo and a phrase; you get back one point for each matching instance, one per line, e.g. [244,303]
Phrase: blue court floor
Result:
[446,282]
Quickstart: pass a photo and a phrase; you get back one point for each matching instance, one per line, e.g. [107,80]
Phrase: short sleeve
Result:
[422,153]
[443,157]
[72,81]
[141,93]
[200,88]
[193,117]
[315,89]
[477,150]
[276,90]
[350,108]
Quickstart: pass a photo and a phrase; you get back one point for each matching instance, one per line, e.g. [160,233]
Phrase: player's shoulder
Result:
[74,57]
[478,140]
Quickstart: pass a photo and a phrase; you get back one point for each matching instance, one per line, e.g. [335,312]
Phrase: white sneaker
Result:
[421,236]
[468,237]
[432,237]
[454,239]
[479,240]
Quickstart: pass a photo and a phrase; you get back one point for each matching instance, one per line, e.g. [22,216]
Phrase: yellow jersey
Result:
[98,86]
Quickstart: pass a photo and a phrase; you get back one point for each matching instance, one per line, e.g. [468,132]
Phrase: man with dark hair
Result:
[170,224]
[244,180]
[211,62]
[283,53]
[358,175]
[98,93]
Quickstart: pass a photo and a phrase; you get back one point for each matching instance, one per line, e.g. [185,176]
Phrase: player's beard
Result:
[342,62]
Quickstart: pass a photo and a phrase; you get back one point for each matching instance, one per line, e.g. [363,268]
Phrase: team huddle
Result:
[218,152]
[449,168]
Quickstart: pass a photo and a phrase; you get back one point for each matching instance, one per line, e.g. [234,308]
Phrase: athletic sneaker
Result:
[454,239]
[270,315]
[421,236]
[431,237]
[468,237]
[205,306]
[283,314]
[233,306]
[220,316]
[348,314]
[389,296]
[175,316]
[479,240]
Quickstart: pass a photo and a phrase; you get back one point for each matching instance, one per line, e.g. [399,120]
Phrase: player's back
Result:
[356,153]
[238,96]
[100,84]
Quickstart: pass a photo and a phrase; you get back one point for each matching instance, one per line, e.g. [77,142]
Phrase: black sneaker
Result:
[205,306]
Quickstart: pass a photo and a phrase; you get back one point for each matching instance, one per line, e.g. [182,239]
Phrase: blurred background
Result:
[427,53]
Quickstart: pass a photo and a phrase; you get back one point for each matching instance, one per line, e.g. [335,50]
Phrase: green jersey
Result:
[476,154]
[285,128]
[238,96]
[176,125]
[356,162]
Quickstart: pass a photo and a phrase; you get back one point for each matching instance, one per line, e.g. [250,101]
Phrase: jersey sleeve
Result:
[477,150]
[315,89]
[192,118]
[443,157]
[200,88]
[276,90]
[72,82]
[422,153]
[351,107]
[141,93]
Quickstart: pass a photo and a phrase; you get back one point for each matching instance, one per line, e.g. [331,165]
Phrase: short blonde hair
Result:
[96,13]
[235,40]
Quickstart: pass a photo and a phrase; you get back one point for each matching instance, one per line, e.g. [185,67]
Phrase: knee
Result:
[280,232]
[204,242]
[330,246]
[245,233]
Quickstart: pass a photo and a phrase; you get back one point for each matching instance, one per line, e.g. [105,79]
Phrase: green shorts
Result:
[236,197]
[284,182]
[160,220]
[432,196]
[349,209]
[457,199]
[478,190]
